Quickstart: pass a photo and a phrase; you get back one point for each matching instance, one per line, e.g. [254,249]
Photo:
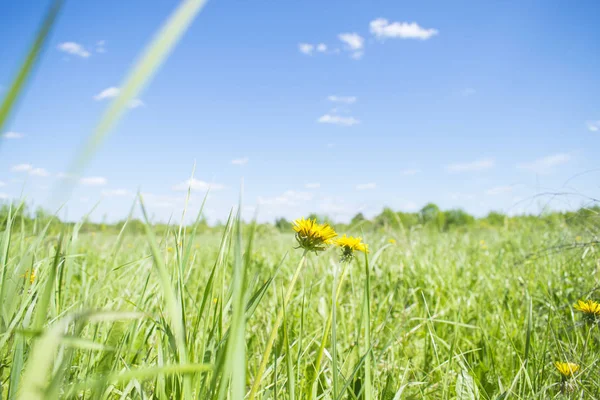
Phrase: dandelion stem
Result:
[273,335]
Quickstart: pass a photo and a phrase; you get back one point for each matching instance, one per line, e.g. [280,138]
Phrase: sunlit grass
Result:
[433,315]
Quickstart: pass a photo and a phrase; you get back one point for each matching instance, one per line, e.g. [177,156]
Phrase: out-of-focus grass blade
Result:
[42,356]
[17,86]
[147,65]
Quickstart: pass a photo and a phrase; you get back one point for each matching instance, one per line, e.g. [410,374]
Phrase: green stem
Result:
[273,336]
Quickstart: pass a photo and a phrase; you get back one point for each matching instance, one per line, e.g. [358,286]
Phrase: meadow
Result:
[476,311]
[442,306]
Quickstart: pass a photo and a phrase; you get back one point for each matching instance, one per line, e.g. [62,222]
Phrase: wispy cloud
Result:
[383,29]
[322,48]
[342,99]
[499,190]
[21,168]
[100,46]
[30,169]
[353,43]
[410,171]
[13,135]
[306,48]
[117,193]
[338,120]
[41,172]
[198,185]
[3,196]
[2,184]
[112,92]
[545,165]
[93,181]
[478,165]
[593,126]
[312,185]
[366,186]
[240,161]
[74,49]
[289,198]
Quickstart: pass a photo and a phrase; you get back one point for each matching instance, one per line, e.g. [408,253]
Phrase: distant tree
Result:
[358,218]
[429,213]
[495,218]
[408,220]
[283,224]
[457,217]
[389,218]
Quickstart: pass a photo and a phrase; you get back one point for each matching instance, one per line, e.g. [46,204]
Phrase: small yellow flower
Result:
[129,245]
[312,236]
[350,244]
[578,238]
[30,276]
[589,308]
[566,369]
[392,241]
[170,249]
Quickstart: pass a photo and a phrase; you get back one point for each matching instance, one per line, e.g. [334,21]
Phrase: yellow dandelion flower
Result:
[349,245]
[313,236]
[170,249]
[589,308]
[392,241]
[566,369]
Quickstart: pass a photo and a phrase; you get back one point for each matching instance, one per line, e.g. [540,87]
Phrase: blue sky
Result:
[327,106]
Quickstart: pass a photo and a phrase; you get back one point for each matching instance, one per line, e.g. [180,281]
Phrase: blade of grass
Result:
[144,69]
[173,306]
[274,329]
[18,85]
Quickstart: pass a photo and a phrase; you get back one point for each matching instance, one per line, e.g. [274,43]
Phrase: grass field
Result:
[471,313]
[437,310]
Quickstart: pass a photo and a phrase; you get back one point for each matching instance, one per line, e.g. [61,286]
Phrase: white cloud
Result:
[21,168]
[93,181]
[108,93]
[410,171]
[135,103]
[353,40]
[312,185]
[198,185]
[2,184]
[478,165]
[338,120]
[112,92]
[342,99]
[13,135]
[240,161]
[354,43]
[306,48]
[383,29]
[366,186]
[499,190]
[546,164]
[74,48]
[321,47]
[117,193]
[290,198]
[593,126]
[39,172]
[3,196]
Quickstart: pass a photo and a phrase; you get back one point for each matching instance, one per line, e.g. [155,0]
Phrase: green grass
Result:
[189,315]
